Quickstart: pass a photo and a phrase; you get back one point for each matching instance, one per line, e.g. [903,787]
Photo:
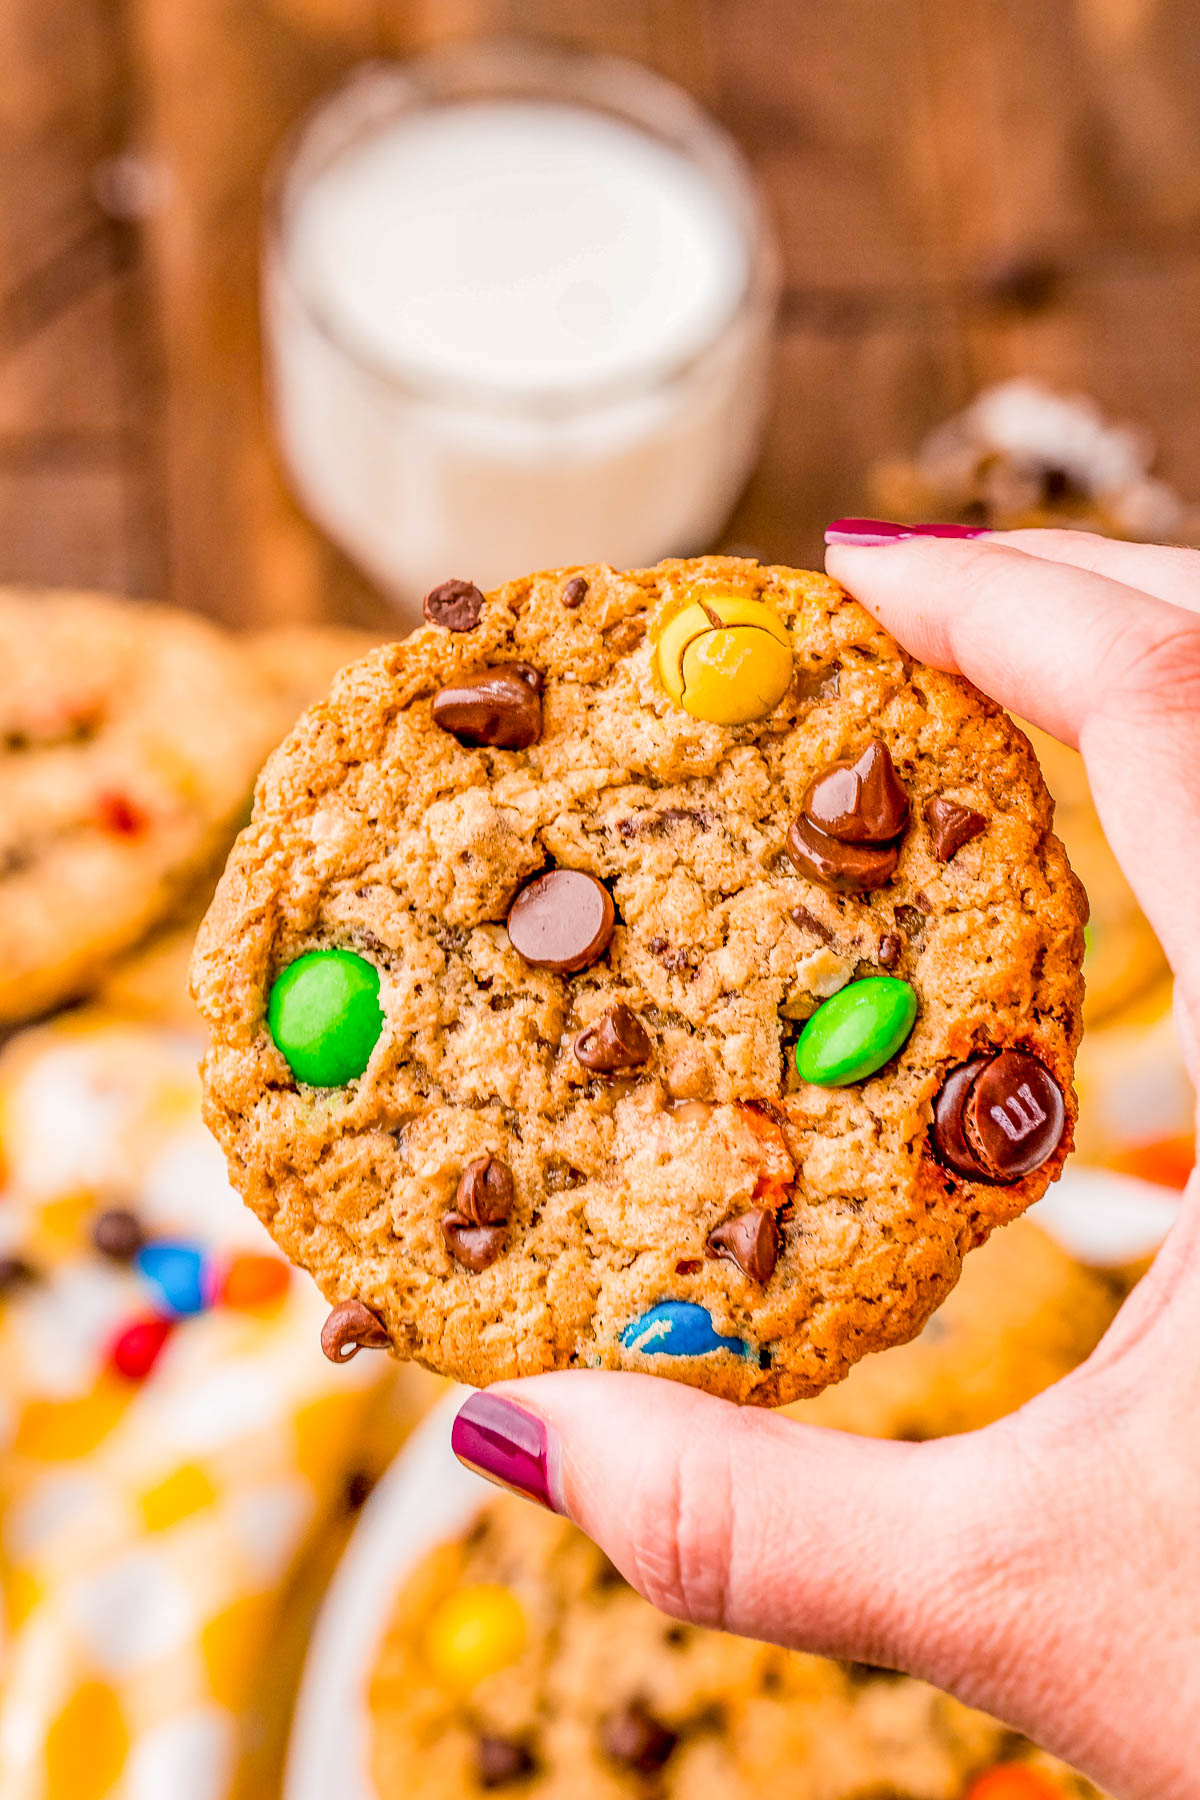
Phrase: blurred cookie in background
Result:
[130,736]
[1021,454]
[175,1445]
[517,1658]
[1023,1315]
[298,662]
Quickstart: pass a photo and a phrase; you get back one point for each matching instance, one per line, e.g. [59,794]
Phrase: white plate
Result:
[425,1497]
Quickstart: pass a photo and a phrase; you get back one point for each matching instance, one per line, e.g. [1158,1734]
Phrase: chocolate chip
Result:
[500,707]
[500,1761]
[455,605]
[352,1327]
[476,1247]
[575,592]
[859,802]
[616,1041]
[809,922]
[636,1740]
[118,1234]
[15,1272]
[485,1191]
[951,826]
[751,1240]
[998,1116]
[847,868]
[890,946]
[562,920]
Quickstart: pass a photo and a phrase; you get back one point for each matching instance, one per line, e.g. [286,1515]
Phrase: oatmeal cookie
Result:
[518,1659]
[130,736]
[653,970]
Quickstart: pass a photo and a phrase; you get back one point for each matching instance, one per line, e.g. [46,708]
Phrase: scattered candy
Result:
[499,707]
[178,1275]
[856,1032]
[951,826]
[117,1233]
[138,1347]
[726,660]
[474,1633]
[678,1328]
[119,814]
[562,920]
[352,1327]
[251,1281]
[751,1240]
[847,835]
[1013,1781]
[617,1041]
[455,605]
[998,1116]
[636,1740]
[325,1017]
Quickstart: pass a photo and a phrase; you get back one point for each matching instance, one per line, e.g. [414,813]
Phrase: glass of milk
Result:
[518,306]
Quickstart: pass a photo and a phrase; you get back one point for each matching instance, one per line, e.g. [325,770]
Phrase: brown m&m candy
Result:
[454,605]
[951,826]
[616,1041]
[636,1740]
[998,1116]
[352,1327]
[847,834]
[562,920]
[500,708]
[751,1240]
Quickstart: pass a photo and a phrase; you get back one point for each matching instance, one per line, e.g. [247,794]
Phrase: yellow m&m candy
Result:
[475,1632]
[726,660]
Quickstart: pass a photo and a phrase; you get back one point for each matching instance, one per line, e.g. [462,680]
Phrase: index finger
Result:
[1091,660]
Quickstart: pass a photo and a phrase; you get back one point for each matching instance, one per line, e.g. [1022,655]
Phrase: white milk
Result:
[510,332]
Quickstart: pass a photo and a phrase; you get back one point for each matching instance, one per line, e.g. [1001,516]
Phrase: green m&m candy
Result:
[856,1032]
[325,1016]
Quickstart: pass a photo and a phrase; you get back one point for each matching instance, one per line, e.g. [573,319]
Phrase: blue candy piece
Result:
[679,1328]
[178,1274]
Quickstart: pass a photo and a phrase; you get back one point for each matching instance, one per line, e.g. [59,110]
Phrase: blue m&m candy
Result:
[679,1328]
[177,1275]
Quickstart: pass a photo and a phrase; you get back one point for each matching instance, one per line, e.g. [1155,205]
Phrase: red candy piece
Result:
[118,814]
[253,1281]
[1014,1781]
[137,1348]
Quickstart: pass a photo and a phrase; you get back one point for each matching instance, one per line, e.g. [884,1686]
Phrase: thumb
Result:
[753,1522]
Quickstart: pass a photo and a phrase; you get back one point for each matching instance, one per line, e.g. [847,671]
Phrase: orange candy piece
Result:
[1014,1781]
[254,1281]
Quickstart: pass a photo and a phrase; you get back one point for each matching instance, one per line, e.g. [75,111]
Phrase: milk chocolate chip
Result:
[562,920]
[751,1240]
[486,1192]
[847,835]
[575,592]
[998,1116]
[499,707]
[636,1740]
[615,1042]
[455,605]
[474,1246]
[352,1327]
[951,826]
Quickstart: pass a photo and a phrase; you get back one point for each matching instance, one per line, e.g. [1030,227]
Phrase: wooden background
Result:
[964,189]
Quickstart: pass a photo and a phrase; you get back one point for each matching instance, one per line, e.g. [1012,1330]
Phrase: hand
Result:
[1046,1569]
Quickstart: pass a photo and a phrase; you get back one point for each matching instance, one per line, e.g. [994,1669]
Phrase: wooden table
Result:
[919,156]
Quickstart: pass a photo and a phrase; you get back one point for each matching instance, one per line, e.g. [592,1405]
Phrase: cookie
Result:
[679,980]
[1023,1316]
[129,740]
[516,1659]
[298,662]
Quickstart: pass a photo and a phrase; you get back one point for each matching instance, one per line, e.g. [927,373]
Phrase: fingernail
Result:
[864,532]
[502,1442]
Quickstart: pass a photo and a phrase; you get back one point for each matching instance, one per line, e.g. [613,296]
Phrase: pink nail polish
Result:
[862,533]
[502,1442]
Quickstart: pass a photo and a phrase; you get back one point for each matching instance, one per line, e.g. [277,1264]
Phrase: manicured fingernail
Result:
[502,1442]
[864,532]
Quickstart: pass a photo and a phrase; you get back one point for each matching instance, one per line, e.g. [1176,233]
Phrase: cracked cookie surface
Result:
[379,832]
